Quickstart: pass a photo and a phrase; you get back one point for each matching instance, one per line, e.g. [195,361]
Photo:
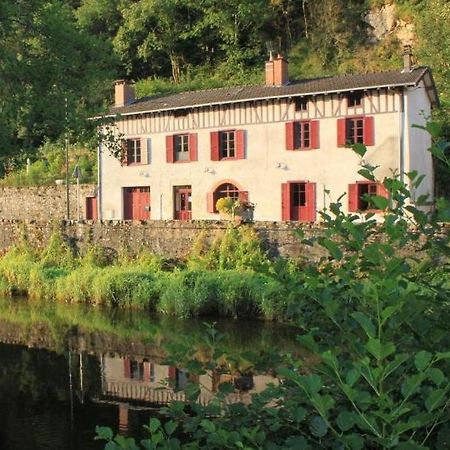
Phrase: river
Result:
[66,368]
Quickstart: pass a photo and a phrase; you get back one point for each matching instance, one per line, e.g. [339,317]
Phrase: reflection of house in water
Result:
[140,380]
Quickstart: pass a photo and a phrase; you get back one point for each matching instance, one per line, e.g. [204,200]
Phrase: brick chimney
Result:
[124,93]
[276,71]
[407,58]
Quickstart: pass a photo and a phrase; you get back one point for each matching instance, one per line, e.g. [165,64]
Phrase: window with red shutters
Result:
[181,147]
[359,192]
[302,135]
[353,130]
[227,144]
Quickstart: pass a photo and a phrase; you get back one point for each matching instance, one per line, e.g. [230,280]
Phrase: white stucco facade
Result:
[267,164]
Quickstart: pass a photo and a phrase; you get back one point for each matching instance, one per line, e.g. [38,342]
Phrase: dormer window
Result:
[354,99]
[301,103]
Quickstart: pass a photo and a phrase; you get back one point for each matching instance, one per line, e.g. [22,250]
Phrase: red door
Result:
[183,203]
[299,201]
[136,203]
[91,208]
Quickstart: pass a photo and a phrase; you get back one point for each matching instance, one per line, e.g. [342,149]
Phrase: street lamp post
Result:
[66,143]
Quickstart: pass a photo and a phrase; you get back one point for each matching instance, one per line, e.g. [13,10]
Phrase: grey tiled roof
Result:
[322,85]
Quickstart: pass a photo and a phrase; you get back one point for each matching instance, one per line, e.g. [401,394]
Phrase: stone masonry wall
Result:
[42,202]
[171,239]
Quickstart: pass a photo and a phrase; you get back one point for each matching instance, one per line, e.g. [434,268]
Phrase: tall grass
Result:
[230,277]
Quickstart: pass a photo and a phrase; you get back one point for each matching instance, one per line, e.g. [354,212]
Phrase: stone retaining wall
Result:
[171,239]
[42,202]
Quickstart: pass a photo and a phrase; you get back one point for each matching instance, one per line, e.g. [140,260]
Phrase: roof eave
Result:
[269,97]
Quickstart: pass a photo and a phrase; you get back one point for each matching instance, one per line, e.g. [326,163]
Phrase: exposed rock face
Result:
[384,21]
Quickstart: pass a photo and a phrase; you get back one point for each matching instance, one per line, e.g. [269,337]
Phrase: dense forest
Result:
[58,58]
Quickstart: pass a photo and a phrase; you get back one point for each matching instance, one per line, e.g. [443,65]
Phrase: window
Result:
[227,144]
[354,99]
[299,194]
[301,104]
[353,130]
[359,192]
[133,151]
[225,190]
[181,147]
[181,142]
[302,135]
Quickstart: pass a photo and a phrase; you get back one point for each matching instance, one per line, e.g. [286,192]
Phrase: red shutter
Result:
[193,147]
[352,197]
[240,144]
[147,370]
[290,143]
[382,191]
[315,135]
[172,372]
[170,157]
[311,201]
[369,132]
[210,203]
[127,368]
[214,146]
[341,133]
[243,196]
[285,201]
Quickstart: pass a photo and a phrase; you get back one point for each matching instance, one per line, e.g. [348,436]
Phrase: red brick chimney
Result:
[277,71]
[124,93]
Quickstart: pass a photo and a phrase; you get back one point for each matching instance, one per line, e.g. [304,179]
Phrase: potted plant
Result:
[237,210]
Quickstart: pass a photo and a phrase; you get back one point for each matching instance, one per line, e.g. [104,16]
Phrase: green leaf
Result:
[436,376]
[208,426]
[226,388]
[359,149]
[440,355]
[434,128]
[365,323]
[318,426]
[389,311]
[296,443]
[395,364]
[308,342]
[299,414]
[311,383]
[412,384]
[354,441]
[170,427]
[332,247]
[192,391]
[154,425]
[352,376]
[345,420]
[329,359]
[380,350]
[435,399]
[379,202]
[367,174]
[104,433]
[422,360]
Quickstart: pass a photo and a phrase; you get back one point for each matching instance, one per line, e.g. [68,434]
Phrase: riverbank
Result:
[231,277]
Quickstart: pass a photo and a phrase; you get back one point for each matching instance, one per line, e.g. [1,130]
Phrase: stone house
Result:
[282,146]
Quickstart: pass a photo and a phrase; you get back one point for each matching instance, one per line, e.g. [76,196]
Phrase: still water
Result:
[66,368]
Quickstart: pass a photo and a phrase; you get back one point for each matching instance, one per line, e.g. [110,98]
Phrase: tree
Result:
[53,75]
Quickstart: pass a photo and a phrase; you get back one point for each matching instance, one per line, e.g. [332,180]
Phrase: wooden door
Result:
[91,208]
[299,201]
[183,203]
[136,203]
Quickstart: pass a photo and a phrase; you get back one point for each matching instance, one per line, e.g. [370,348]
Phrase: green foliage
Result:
[377,335]
[239,248]
[50,166]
